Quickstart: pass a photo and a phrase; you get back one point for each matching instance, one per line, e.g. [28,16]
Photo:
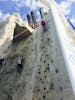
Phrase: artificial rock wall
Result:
[44,75]
[7,31]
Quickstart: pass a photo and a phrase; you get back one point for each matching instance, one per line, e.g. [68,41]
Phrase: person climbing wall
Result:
[43,23]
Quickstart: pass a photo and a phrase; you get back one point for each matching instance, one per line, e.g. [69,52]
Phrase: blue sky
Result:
[8,7]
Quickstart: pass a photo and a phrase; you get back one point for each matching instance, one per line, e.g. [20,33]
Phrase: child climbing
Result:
[43,23]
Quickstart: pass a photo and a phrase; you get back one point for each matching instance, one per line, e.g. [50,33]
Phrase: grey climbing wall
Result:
[44,75]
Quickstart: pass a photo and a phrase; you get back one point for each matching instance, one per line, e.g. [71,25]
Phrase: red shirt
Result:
[43,23]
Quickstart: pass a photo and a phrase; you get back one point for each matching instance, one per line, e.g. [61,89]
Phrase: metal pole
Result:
[41,13]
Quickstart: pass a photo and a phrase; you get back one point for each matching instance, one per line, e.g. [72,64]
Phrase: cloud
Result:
[3,16]
[71,1]
[73,20]
[32,4]
[3,0]
[65,6]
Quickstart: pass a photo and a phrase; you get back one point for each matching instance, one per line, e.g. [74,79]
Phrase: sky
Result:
[24,7]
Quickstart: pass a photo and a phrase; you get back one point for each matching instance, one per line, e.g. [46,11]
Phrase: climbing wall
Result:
[44,75]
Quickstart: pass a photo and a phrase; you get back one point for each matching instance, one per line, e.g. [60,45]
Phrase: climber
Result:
[1,61]
[43,23]
[19,64]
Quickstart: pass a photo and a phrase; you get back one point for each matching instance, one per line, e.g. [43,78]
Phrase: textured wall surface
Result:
[44,75]
[7,31]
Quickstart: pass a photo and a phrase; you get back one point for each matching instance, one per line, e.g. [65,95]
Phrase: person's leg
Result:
[20,66]
[45,29]
[1,63]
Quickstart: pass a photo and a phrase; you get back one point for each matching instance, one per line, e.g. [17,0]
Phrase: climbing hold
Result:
[61,88]
[45,76]
[40,79]
[39,72]
[44,61]
[48,64]
[44,96]
[52,86]
[45,71]
[51,61]
[48,39]
[46,55]
[42,82]
[61,99]
[56,70]
[38,90]
[10,97]
[48,68]
[50,45]
[44,88]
